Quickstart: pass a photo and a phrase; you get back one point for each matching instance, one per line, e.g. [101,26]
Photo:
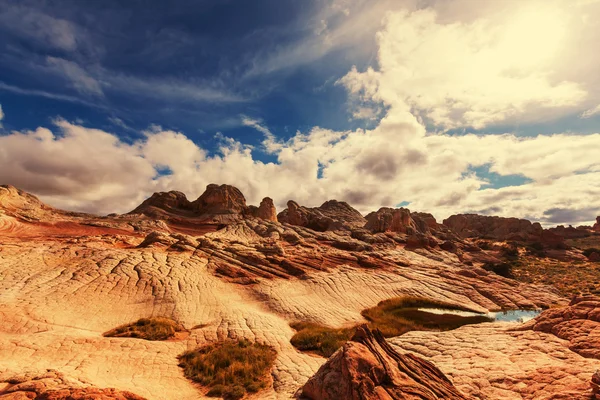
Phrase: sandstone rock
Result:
[266,210]
[155,205]
[570,232]
[400,220]
[579,323]
[223,199]
[500,228]
[596,226]
[331,215]
[368,368]
[596,385]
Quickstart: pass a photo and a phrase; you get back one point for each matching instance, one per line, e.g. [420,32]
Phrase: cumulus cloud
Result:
[92,170]
[469,74]
[270,143]
[1,113]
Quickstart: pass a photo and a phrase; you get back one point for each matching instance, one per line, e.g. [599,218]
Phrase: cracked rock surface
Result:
[66,278]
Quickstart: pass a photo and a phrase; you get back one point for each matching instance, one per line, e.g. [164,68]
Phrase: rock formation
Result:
[400,220]
[331,215]
[53,385]
[65,278]
[219,204]
[500,228]
[161,202]
[596,226]
[368,368]
[223,199]
[579,323]
[266,210]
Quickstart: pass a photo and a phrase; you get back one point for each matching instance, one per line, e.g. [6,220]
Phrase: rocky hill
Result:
[225,271]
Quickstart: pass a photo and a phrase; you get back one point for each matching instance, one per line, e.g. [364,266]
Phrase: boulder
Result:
[367,367]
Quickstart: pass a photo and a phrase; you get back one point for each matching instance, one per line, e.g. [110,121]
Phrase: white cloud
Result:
[48,95]
[1,113]
[92,170]
[455,73]
[591,112]
[270,143]
[470,74]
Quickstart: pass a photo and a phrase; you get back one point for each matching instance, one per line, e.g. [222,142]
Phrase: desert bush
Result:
[510,251]
[392,317]
[502,269]
[589,251]
[320,339]
[229,369]
[156,328]
[536,249]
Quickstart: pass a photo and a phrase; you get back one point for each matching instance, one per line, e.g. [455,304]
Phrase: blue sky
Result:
[449,106]
[207,57]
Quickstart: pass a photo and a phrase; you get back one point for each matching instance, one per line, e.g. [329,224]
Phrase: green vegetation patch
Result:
[230,369]
[399,315]
[319,339]
[392,317]
[148,328]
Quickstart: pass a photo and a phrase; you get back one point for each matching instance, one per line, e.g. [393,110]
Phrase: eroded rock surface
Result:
[331,215]
[53,385]
[368,368]
[500,228]
[578,323]
[65,278]
[492,361]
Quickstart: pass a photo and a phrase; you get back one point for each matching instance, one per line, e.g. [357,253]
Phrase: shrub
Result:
[589,251]
[392,317]
[229,369]
[510,251]
[148,328]
[502,269]
[320,339]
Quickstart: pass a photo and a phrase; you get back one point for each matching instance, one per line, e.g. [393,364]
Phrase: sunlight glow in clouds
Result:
[468,74]
[453,74]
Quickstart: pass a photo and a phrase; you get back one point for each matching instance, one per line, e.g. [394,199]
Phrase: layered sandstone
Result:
[367,367]
[331,215]
[65,279]
[500,228]
[578,323]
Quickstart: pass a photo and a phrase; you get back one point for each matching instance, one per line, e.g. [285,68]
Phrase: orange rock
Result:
[367,367]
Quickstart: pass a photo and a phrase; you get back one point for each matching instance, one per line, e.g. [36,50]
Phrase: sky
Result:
[447,107]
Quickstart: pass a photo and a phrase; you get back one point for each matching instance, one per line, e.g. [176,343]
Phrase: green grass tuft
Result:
[148,329]
[392,317]
[319,339]
[229,369]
